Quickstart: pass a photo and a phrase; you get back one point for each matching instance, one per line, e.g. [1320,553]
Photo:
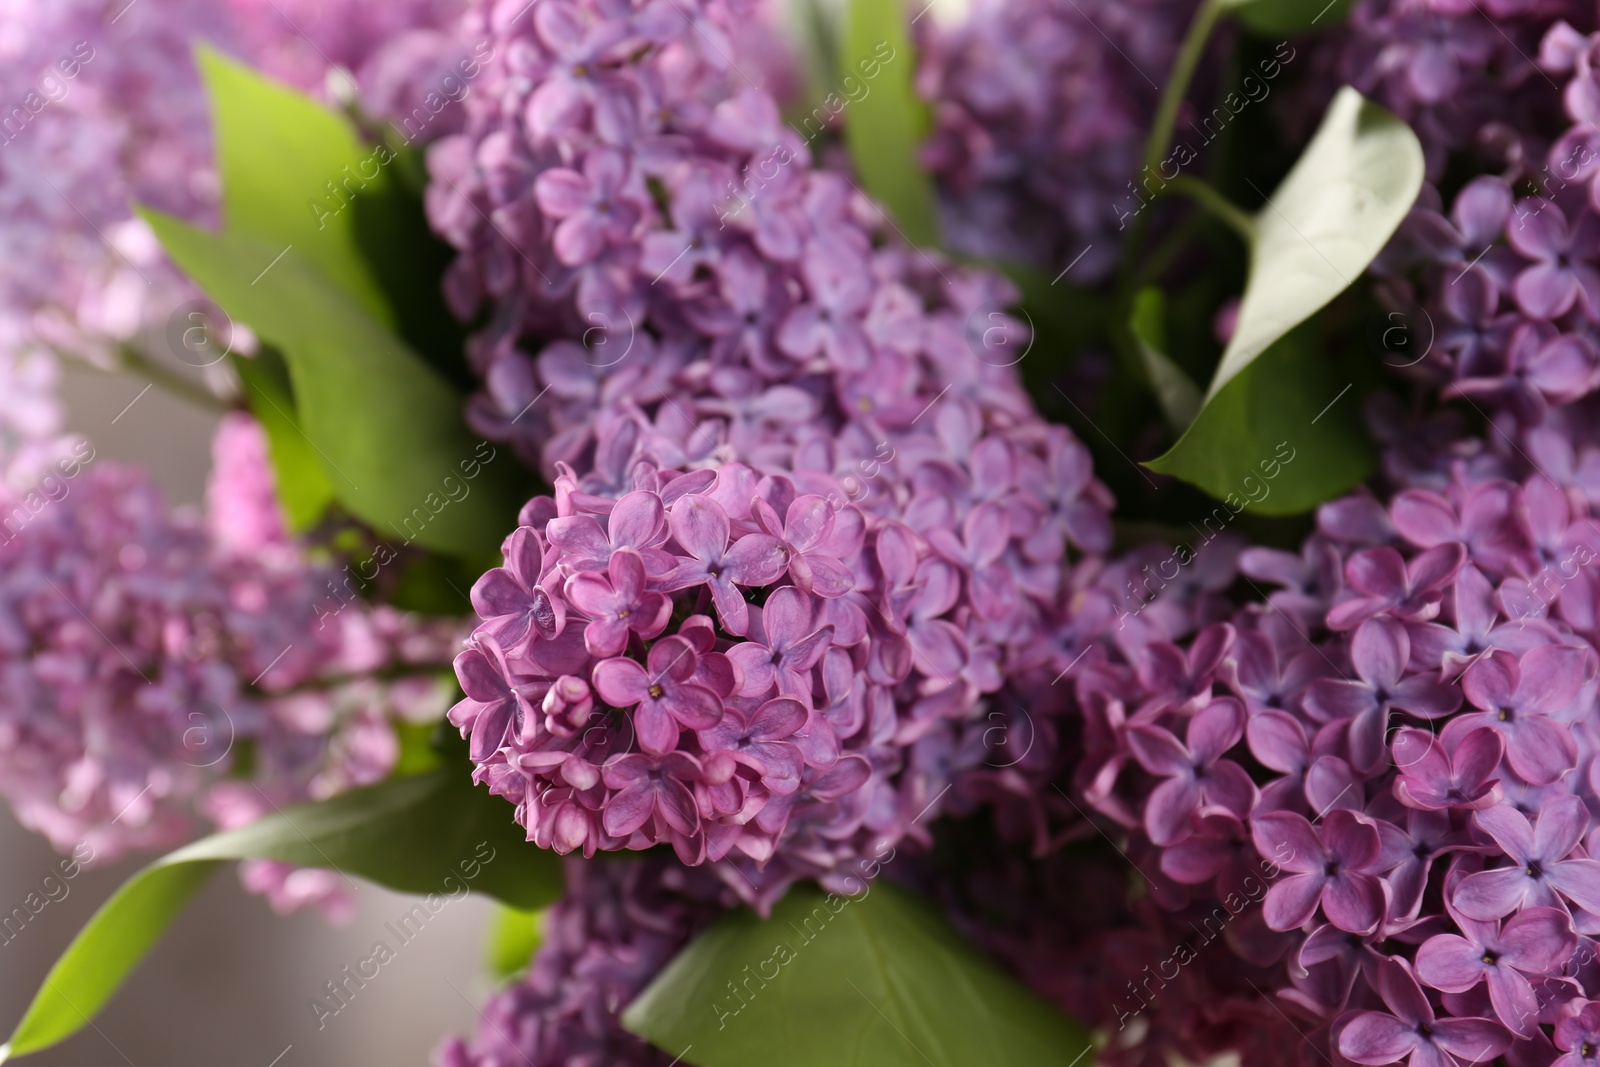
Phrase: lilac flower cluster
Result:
[752,667]
[1041,109]
[620,922]
[793,494]
[142,655]
[100,107]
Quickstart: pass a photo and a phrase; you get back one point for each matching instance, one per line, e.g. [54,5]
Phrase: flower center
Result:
[656,691]
[1491,958]
[1533,870]
[1506,714]
[1331,868]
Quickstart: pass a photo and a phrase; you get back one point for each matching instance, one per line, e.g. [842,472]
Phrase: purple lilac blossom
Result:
[101,108]
[143,650]
[620,922]
[1040,113]
[804,537]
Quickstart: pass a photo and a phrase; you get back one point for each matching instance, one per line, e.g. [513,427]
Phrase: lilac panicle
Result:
[807,529]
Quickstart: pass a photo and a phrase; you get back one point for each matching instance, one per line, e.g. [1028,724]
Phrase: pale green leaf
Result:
[432,833]
[1320,229]
[879,980]
[514,936]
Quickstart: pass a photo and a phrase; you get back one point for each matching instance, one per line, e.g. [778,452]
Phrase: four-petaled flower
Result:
[1410,1028]
[1336,870]
[1540,873]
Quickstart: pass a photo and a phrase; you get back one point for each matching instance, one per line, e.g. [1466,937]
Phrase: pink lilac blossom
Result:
[83,83]
[805,536]
[620,922]
[141,657]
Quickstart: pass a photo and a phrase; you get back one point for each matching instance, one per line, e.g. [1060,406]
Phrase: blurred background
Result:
[230,982]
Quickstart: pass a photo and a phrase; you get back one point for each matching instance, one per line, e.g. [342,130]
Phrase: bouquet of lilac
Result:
[1096,500]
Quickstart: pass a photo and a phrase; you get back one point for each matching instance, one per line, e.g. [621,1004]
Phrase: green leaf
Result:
[303,487]
[284,160]
[1317,233]
[1330,217]
[1177,394]
[885,126]
[430,834]
[389,431]
[877,980]
[514,937]
[1282,437]
[1286,18]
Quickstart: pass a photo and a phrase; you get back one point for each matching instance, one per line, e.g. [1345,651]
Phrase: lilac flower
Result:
[1335,870]
[617,604]
[1558,279]
[1379,652]
[1540,874]
[1516,698]
[651,786]
[762,743]
[665,696]
[1384,583]
[787,650]
[702,528]
[511,597]
[1196,775]
[1578,1035]
[1433,780]
[1533,943]
[1410,1027]
[596,207]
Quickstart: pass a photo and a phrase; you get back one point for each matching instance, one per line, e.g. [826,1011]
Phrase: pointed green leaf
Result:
[1175,391]
[1320,229]
[884,120]
[389,431]
[878,980]
[1282,437]
[432,833]
[284,160]
[1315,236]
[303,487]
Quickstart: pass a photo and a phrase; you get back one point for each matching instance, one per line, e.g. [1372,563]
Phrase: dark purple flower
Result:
[1335,870]
[1197,777]
[1533,943]
[649,786]
[761,742]
[1540,873]
[787,646]
[637,521]
[1410,1028]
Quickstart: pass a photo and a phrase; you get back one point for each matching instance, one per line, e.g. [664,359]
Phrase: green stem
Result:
[1206,195]
[1193,48]
[1166,119]
[131,359]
